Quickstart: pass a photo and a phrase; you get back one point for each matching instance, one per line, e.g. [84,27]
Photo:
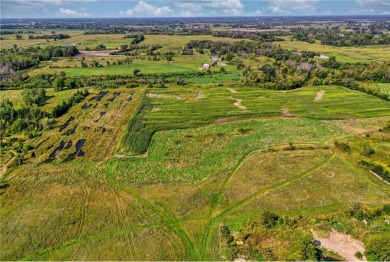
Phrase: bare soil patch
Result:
[199,95]
[239,105]
[342,244]
[150,95]
[286,113]
[319,95]
[155,109]
[232,90]
[94,53]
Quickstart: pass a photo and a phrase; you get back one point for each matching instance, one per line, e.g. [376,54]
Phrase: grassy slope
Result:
[180,108]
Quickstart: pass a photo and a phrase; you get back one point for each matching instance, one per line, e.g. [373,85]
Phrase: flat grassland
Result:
[375,53]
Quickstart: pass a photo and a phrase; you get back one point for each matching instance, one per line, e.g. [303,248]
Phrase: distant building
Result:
[322,57]
[215,59]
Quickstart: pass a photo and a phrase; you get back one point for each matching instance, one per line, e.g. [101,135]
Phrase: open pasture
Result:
[53,97]
[375,53]
[179,64]
[177,219]
[111,41]
[10,39]
[339,182]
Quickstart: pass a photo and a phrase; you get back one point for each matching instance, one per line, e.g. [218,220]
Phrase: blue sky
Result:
[188,8]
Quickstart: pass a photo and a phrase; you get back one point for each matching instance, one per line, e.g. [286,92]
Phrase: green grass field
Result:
[179,107]
[383,88]
[342,54]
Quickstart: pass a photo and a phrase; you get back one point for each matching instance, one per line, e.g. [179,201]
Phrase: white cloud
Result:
[144,9]
[210,7]
[258,12]
[69,12]
[188,6]
[372,3]
[35,7]
[225,4]
[292,6]
[370,6]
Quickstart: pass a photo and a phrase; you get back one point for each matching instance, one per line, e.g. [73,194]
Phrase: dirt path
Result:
[286,113]
[342,244]
[151,95]
[4,167]
[94,53]
[232,90]
[319,95]
[239,105]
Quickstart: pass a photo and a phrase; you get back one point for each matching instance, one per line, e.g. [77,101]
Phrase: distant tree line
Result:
[55,37]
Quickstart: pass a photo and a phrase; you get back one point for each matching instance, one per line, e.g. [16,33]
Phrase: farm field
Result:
[383,88]
[169,43]
[109,66]
[231,149]
[343,54]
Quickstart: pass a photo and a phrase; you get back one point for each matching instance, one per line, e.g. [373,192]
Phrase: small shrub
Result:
[359,255]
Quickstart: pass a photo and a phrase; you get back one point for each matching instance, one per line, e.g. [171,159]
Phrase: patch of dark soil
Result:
[100,96]
[40,143]
[111,99]
[85,107]
[33,155]
[70,120]
[100,129]
[86,127]
[69,144]
[57,150]
[117,93]
[102,113]
[71,131]
[79,145]
[130,98]
[49,147]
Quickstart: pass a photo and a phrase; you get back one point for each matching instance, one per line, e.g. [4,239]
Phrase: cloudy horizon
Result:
[188,8]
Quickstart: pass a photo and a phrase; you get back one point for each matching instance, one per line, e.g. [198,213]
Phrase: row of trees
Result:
[20,59]
[336,37]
